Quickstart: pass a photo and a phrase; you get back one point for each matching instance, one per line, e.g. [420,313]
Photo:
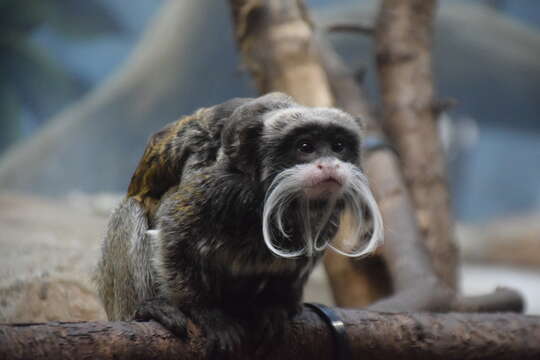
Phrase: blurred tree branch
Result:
[417,287]
[404,34]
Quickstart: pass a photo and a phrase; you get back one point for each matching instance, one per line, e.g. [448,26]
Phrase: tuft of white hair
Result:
[287,186]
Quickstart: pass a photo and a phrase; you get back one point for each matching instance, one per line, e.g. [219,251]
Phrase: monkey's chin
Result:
[324,190]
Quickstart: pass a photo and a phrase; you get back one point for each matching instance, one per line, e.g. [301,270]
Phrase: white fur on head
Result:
[288,185]
[279,121]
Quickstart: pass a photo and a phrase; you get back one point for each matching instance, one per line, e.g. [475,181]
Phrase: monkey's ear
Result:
[239,139]
[242,132]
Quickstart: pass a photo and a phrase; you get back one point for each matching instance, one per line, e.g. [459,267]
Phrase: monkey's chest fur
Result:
[211,253]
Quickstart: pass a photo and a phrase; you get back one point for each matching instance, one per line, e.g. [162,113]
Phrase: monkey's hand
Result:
[224,334]
[168,315]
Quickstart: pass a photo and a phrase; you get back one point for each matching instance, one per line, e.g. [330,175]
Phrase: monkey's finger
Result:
[169,316]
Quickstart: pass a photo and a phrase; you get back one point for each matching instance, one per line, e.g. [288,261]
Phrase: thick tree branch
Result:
[373,336]
[274,39]
[403,42]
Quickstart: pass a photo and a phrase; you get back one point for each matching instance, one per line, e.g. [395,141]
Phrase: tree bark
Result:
[275,40]
[372,336]
[403,45]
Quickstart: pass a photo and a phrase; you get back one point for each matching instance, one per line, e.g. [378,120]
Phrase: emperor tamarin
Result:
[227,214]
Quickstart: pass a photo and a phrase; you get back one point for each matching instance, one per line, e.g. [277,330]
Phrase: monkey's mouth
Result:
[324,187]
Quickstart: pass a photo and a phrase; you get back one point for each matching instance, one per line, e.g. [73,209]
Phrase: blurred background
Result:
[84,83]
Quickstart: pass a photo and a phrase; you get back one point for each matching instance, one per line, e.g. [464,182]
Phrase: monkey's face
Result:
[308,161]
[310,157]
[319,153]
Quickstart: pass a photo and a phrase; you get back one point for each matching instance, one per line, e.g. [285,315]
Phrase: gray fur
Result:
[124,281]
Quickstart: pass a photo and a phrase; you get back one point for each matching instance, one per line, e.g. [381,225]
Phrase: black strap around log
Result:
[337,326]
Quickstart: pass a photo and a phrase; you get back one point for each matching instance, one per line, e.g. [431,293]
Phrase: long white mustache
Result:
[287,186]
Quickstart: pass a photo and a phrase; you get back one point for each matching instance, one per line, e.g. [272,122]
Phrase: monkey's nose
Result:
[327,167]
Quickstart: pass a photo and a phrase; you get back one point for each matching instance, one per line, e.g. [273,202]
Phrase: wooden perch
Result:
[372,336]
[403,47]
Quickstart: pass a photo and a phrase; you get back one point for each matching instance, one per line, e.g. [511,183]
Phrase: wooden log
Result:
[372,336]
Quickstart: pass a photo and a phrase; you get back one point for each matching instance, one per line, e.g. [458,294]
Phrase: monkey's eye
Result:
[306,147]
[338,147]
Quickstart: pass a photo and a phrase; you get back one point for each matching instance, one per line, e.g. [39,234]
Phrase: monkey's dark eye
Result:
[338,147]
[306,147]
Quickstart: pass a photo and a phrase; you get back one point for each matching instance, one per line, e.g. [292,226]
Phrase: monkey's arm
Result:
[207,224]
[124,274]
